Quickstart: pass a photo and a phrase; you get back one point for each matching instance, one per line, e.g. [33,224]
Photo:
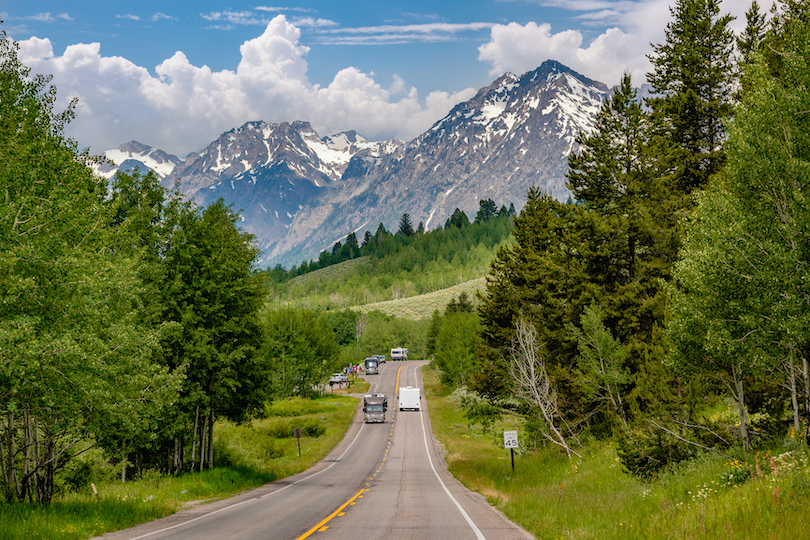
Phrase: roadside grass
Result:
[593,498]
[247,455]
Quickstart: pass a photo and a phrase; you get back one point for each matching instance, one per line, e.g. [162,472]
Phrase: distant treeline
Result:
[384,243]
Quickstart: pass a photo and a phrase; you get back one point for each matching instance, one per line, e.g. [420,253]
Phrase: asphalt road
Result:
[382,481]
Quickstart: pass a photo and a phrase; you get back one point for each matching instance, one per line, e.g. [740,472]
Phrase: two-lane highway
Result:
[382,481]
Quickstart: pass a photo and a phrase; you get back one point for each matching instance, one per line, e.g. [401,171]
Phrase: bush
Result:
[295,407]
[646,452]
[286,429]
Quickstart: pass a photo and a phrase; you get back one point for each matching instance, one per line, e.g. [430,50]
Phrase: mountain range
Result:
[299,193]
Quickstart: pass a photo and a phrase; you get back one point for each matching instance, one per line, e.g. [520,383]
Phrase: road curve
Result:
[382,481]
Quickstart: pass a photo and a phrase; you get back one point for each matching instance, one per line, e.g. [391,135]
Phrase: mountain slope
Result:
[513,134]
[300,193]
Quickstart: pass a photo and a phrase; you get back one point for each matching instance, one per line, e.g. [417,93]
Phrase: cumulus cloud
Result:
[129,16]
[183,107]
[624,46]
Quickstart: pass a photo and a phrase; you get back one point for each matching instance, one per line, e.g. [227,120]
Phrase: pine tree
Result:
[751,39]
[405,226]
[692,83]
[486,211]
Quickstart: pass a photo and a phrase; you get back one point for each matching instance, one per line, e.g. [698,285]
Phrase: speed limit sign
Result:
[510,439]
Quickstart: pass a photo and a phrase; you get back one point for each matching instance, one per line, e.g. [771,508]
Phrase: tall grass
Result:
[247,456]
[593,498]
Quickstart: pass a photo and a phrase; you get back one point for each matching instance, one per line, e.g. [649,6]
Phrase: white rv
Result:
[410,398]
[399,353]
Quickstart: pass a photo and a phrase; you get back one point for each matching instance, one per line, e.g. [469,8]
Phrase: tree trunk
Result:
[123,463]
[202,445]
[794,397]
[194,438]
[806,373]
[13,484]
[211,439]
[740,398]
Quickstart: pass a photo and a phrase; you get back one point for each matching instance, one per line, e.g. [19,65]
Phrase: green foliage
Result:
[455,353]
[457,219]
[300,350]
[75,360]
[405,226]
[692,82]
[646,452]
[601,373]
[740,305]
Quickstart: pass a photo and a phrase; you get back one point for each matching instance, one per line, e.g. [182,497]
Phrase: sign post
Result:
[297,435]
[510,441]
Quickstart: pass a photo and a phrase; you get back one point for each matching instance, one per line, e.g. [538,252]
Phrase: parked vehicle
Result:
[410,398]
[380,358]
[372,365]
[374,407]
[338,378]
[399,353]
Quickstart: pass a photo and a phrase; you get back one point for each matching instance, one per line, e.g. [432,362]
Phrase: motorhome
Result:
[372,365]
[374,407]
[410,398]
[399,353]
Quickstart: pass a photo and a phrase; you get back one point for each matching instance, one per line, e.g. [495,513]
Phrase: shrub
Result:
[645,452]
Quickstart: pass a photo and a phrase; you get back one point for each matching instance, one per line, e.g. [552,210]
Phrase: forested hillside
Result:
[390,266]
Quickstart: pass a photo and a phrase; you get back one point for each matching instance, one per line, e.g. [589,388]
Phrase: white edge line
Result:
[475,529]
[255,498]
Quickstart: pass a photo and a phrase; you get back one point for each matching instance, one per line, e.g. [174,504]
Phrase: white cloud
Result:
[159,16]
[128,16]
[184,107]
[399,33]
[622,47]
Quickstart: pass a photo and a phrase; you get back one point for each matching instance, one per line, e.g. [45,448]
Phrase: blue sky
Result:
[175,75]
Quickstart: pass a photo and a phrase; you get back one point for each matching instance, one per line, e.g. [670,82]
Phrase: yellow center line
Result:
[336,512]
[358,495]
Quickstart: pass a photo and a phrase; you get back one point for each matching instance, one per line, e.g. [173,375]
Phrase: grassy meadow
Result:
[765,497]
[247,456]
[422,306]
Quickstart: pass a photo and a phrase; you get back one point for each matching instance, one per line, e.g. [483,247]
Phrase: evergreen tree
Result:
[366,238]
[421,228]
[751,39]
[486,211]
[457,219]
[405,226]
[692,83]
[351,241]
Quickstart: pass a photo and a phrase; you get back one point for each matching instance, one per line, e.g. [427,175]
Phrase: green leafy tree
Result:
[213,293]
[455,353]
[741,299]
[603,374]
[300,347]
[75,362]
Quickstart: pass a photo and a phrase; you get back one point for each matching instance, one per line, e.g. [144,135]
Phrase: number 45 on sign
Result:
[510,439]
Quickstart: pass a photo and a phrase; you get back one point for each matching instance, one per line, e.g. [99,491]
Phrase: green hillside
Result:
[422,306]
[426,270]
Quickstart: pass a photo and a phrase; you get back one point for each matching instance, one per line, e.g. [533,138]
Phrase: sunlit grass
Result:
[593,498]
[422,306]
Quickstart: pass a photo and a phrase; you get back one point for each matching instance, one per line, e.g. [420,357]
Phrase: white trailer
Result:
[410,398]
[399,353]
